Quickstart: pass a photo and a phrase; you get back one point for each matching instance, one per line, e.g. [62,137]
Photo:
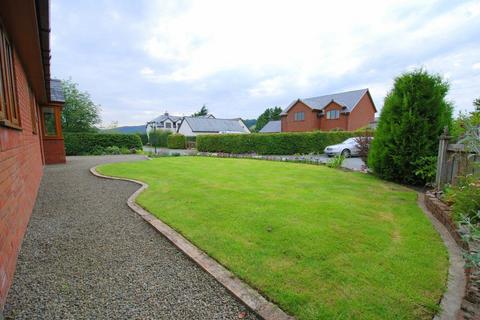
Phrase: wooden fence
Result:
[453,161]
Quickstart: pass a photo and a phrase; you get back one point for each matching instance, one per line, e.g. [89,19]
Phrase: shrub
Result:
[413,117]
[271,143]
[176,141]
[159,138]
[112,150]
[426,169]
[143,137]
[364,141]
[336,162]
[96,143]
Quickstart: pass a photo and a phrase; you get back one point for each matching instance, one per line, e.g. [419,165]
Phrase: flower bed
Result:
[443,213]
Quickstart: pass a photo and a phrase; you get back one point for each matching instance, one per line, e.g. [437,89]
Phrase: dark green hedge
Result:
[177,141]
[159,138]
[272,143]
[87,143]
[143,137]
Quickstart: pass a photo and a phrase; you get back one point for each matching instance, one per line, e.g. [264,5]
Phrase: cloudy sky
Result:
[140,58]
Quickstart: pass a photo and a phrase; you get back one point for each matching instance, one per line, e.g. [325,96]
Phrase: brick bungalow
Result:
[30,127]
[346,111]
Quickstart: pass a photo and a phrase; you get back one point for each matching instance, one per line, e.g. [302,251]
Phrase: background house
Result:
[30,126]
[192,126]
[346,111]
[164,122]
[272,127]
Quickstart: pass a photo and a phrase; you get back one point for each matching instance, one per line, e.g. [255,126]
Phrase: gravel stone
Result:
[86,255]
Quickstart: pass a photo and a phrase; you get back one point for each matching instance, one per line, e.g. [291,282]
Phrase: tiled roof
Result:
[272,126]
[202,124]
[347,99]
[56,91]
[164,117]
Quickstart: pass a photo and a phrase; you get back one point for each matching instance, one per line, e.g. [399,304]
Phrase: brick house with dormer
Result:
[347,111]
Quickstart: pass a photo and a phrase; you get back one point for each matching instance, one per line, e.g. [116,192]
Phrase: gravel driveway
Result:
[86,255]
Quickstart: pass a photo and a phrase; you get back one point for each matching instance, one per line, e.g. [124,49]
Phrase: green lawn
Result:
[321,243]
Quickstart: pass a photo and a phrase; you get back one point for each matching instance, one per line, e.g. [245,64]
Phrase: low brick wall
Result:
[471,300]
[443,213]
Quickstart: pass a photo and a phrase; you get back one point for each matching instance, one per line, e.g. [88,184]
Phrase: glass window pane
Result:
[49,121]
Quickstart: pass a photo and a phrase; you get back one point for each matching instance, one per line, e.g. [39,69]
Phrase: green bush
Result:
[112,150]
[336,162]
[414,115]
[271,143]
[143,137]
[464,197]
[159,138]
[97,143]
[176,141]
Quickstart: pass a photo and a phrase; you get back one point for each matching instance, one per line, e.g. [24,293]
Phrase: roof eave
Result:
[28,26]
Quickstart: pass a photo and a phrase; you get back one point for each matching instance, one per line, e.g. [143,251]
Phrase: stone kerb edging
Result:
[246,294]
[451,302]
[471,300]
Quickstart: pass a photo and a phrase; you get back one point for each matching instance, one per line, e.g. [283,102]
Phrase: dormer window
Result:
[333,114]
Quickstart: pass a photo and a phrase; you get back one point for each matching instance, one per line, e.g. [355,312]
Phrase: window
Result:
[299,116]
[168,125]
[33,110]
[9,114]
[49,122]
[333,114]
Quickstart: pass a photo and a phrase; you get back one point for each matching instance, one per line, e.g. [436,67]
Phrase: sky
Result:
[138,59]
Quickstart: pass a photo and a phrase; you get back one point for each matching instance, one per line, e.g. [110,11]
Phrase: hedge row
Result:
[87,143]
[159,138]
[177,141]
[272,143]
[143,137]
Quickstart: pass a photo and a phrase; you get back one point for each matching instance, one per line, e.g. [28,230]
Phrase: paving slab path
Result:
[86,255]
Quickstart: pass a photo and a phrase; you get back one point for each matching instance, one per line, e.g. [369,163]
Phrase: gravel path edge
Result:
[242,291]
[451,301]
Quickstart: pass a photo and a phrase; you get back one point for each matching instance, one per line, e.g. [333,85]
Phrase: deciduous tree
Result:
[268,115]
[79,114]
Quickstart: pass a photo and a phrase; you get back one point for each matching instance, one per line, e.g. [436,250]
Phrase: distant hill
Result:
[127,129]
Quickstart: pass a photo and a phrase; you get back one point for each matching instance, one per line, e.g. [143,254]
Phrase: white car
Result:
[347,148]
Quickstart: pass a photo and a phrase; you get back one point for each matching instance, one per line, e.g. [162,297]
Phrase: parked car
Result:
[347,148]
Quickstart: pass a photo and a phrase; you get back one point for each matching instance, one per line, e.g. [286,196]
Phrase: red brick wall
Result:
[54,151]
[20,174]
[362,114]
[310,123]
[330,124]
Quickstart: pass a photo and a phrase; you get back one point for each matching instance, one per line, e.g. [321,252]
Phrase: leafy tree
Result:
[413,117]
[465,120]
[476,103]
[203,112]
[250,123]
[268,115]
[79,114]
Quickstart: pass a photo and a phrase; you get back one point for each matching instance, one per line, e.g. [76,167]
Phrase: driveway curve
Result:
[86,255]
